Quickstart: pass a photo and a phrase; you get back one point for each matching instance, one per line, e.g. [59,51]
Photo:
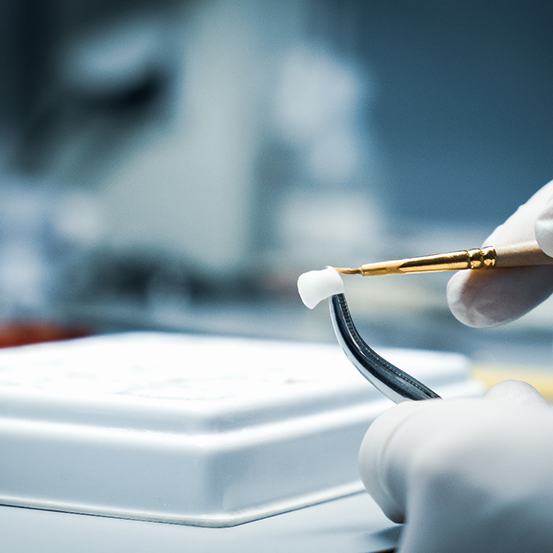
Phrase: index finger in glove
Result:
[490,298]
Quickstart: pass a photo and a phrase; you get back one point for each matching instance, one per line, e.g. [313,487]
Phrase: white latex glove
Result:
[495,297]
[468,475]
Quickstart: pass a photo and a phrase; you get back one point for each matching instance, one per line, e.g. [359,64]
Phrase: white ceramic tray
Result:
[186,429]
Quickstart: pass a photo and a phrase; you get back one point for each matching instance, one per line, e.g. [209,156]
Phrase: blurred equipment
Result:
[176,164]
[47,237]
[25,333]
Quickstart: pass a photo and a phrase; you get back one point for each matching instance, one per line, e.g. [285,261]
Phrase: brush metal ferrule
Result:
[475,258]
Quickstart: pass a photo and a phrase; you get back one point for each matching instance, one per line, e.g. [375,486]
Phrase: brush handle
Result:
[525,254]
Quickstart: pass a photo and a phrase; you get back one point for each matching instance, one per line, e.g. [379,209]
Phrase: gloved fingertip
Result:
[516,391]
[464,302]
[543,229]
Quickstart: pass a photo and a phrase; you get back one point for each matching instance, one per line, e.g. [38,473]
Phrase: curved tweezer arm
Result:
[391,381]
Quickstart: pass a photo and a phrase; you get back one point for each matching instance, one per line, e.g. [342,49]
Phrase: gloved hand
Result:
[490,298]
[467,475]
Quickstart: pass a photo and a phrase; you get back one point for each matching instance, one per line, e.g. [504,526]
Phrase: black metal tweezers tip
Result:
[391,381]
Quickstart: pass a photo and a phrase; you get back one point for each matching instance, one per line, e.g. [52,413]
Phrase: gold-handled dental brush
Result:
[524,254]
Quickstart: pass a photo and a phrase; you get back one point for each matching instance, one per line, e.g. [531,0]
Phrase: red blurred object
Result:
[24,333]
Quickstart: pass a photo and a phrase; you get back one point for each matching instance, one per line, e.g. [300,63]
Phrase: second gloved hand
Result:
[466,475]
[481,298]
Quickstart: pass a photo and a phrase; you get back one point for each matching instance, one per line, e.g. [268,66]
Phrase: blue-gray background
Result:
[177,164]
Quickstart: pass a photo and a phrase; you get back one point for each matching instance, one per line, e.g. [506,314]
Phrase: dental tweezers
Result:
[387,378]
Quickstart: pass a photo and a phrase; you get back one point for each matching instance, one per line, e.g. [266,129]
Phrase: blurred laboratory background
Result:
[176,164]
